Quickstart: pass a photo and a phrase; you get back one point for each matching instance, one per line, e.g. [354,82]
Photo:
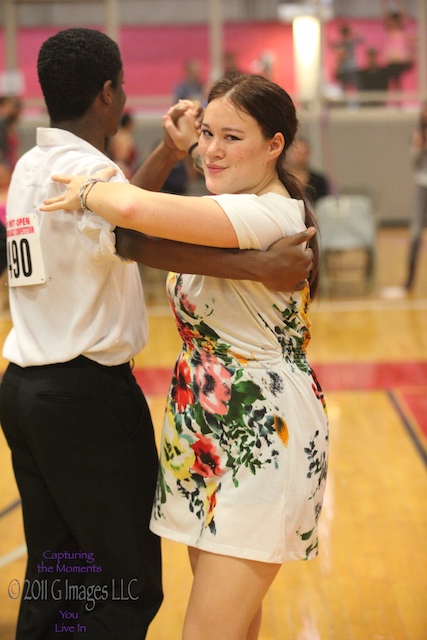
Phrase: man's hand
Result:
[156,168]
[288,265]
[176,139]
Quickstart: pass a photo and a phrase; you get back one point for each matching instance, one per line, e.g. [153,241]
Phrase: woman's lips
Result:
[213,168]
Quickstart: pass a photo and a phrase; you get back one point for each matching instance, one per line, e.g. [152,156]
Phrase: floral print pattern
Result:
[225,420]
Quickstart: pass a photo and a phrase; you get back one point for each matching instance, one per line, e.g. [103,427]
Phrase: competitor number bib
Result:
[24,254]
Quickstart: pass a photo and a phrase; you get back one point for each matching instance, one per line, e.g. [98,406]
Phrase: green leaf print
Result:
[243,396]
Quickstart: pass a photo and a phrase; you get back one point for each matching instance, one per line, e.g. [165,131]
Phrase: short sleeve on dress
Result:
[261,220]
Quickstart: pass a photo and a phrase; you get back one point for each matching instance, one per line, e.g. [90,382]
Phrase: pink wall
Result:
[153,56]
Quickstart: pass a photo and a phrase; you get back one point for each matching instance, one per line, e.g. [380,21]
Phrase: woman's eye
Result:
[205,132]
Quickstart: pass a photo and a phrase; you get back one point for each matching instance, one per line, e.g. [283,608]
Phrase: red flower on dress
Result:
[185,331]
[207,463]
[187,305]
[181,392]
[213,383]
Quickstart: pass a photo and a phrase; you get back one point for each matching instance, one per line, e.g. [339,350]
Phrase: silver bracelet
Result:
[82,197]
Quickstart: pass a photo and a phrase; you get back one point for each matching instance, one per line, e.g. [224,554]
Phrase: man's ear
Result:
[106,93]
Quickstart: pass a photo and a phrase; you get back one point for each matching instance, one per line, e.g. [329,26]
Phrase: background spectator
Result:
[10,109]
[191,87]
[346,69]
[399,45]
[314,184]
[122,149]
[419,218]
[229,64]
[373,77]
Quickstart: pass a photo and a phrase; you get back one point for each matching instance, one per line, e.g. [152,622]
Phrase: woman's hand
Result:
[70,200]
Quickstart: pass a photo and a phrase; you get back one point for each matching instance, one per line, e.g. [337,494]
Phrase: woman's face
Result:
[236,157]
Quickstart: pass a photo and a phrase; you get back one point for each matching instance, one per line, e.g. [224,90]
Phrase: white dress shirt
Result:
[91,302]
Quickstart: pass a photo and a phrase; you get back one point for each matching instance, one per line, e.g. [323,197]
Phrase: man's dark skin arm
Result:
[153,173]
[284,267]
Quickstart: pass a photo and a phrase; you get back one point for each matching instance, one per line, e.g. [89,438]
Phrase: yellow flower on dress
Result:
[281,429]
[178,456]
[210,502]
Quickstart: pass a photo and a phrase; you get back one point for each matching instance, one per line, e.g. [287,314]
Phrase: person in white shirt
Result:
[77,423]
[244,450]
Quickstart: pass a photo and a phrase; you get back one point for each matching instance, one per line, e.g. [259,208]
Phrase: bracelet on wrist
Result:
[84,192]
[192,147]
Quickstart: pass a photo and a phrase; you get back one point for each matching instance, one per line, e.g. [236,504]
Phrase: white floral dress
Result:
[244,448]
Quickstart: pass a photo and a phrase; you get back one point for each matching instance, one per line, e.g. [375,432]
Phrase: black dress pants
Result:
[85,463]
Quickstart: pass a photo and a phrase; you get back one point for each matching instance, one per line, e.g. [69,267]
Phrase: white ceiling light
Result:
[291,10]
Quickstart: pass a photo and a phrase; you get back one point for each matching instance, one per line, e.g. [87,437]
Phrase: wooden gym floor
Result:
[369,349]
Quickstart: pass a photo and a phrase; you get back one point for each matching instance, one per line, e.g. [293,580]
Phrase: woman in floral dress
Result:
[245,437]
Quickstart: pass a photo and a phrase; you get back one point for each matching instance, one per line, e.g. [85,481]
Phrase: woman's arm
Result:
[194,220]
[284,267]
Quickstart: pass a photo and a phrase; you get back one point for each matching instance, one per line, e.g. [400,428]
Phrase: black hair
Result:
[126,119]
[272,107]
[73,66]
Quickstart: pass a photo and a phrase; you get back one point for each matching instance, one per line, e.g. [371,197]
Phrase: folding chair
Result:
[347,238]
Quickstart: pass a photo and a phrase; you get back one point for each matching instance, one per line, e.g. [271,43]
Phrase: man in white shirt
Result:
[76,422]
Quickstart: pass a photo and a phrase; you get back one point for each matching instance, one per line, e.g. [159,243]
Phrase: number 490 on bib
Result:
[24,254]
